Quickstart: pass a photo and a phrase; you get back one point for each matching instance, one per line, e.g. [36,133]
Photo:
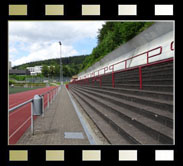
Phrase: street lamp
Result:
[61,76]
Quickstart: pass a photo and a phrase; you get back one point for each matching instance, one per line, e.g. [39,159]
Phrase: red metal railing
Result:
[172,46]
[111,67]
[98,77]
[140,77]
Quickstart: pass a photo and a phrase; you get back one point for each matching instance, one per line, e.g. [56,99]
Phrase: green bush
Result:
[11,82]
[17,77]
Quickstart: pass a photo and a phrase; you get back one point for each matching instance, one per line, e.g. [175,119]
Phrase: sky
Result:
[38,40]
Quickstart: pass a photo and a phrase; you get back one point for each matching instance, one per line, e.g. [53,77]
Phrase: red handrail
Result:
[147,53]
[171,46]
[111,67]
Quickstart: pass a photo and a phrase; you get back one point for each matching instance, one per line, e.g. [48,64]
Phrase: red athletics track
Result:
[19,119]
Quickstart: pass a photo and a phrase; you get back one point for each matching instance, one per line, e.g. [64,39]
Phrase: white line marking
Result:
[17,110]
[90,138]
[19,128]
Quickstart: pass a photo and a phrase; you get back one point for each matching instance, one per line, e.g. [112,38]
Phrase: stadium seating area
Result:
[133,106]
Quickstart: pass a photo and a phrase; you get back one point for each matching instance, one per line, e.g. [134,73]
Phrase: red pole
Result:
[100,81]
[113,82]
[171,46]
[147,57]
[140,77]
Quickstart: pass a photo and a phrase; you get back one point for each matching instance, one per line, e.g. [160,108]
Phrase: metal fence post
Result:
[54,94]
[51,96]
[32,119]
[48,100]
[43,106]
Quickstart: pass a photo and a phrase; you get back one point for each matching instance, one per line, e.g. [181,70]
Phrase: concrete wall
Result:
[159,34]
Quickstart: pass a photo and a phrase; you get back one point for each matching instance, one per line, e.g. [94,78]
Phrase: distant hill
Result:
[71,65]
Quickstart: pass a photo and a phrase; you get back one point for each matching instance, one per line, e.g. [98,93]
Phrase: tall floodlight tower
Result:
[61,74]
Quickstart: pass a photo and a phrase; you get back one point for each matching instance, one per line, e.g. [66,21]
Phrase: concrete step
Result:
[129,73]
[146,76]
[156,88]
[104,127]
[166,67]
[167,81]
[160,88]
[121,126]
[160,66]
[158,71]
[154,70]
[162,116]
[148,101]
[153,81]
[148,126]
[146,93]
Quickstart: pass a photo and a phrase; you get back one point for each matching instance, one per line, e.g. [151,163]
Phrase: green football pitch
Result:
[20,89]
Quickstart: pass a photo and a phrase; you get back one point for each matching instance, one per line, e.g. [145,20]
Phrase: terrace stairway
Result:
[126,114]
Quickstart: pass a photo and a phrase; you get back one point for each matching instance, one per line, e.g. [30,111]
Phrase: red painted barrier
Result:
[111,67]
[140,76]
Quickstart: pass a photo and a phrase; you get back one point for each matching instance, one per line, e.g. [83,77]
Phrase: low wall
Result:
[159,36]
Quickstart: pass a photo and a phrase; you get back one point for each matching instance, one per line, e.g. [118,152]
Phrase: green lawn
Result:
[20,89]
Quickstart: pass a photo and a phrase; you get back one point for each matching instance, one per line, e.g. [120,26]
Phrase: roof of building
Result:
[15,71]
[74,77]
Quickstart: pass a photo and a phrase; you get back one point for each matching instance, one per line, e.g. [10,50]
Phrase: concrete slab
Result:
[73,135]
[61,117]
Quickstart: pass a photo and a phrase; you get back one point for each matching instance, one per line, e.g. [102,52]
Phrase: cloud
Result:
[13,50]
[38,40]
[45,51]
[67,32]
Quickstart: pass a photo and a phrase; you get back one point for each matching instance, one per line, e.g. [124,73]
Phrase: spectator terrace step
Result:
[147,126]
[163,117]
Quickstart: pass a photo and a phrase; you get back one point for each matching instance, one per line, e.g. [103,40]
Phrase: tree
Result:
[111,36]
[45,70]
[57,70]
[52,71]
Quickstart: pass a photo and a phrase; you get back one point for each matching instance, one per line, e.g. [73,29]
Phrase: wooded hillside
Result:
[71,65]
[111,36]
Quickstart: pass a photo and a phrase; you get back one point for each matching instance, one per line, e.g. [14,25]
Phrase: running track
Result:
[20,119]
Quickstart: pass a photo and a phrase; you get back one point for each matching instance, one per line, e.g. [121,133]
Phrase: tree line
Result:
[111,36]
[51,67]
[54,70]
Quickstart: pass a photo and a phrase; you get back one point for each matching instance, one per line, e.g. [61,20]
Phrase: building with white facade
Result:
[35,70]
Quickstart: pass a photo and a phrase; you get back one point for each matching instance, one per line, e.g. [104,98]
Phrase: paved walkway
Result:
[60,125]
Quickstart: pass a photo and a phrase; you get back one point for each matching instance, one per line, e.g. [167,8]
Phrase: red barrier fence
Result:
[98,77]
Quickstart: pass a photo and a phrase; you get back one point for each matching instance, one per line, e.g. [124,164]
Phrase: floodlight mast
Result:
[61,75]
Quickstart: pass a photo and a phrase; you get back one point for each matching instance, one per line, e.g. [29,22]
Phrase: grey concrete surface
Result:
[58,120]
